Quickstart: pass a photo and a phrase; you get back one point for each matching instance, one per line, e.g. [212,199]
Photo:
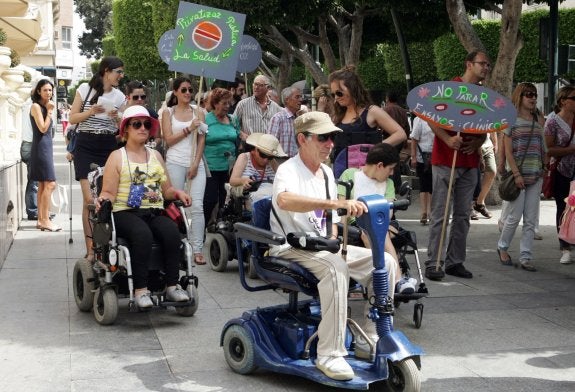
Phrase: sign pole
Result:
[446,213]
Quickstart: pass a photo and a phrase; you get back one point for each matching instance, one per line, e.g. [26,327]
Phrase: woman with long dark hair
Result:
[95,110]
[559,130]
[42,154]
[353,112]
[186,138]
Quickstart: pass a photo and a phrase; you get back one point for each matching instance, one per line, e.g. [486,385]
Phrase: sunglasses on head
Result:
[265,156]
[137,124]
[530,94]
[338,94]
[138,97]
[185,90]
[571,98]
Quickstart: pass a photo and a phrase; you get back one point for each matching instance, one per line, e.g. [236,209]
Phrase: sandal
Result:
[482,210]
[504,262]
[423,219]
[199,259]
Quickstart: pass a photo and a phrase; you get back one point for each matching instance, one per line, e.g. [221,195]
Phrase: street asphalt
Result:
[504,330]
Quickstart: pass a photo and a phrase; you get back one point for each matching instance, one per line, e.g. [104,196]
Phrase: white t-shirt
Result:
[424,135]
[180,153]
[293,176]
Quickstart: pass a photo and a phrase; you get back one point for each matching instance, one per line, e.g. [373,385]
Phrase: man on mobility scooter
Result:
[304,196]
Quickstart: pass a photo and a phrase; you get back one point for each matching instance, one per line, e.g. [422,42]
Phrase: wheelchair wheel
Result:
[83,285]
[239,350]
[105,306]
[404,376]
[188,311]
[217,248]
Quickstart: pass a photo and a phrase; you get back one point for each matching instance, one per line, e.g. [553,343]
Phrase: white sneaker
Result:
[334,367]
[144,301]
[176,294]
[406,285]
[537,235]
[565,257]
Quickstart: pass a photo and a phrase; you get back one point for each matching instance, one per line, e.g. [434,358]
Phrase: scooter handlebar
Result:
[400,204]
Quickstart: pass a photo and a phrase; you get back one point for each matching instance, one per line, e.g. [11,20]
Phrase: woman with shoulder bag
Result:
[185,134]
[525,151]
[559,130]
[96,130]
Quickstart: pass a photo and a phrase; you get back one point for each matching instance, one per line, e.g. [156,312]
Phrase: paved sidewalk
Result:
[504,330]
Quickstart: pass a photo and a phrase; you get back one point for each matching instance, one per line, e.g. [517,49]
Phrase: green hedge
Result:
[134,40]
[528,66]
[421,59]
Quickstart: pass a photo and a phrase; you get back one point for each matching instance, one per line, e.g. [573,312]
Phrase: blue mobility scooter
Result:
[282,338]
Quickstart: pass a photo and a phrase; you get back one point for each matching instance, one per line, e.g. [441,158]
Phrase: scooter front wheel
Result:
[404,376]
[239,350]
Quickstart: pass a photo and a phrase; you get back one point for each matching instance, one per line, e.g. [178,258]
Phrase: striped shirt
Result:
[95,124]
[532,167]
[266,175]
[282,127]
[251,116]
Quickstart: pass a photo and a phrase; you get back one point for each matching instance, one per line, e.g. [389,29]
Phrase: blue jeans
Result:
[177,175]
[526,206]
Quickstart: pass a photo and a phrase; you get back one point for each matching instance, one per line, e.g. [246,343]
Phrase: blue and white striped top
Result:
[99,125]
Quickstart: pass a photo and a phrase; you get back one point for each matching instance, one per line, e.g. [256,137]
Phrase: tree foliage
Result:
[96,15]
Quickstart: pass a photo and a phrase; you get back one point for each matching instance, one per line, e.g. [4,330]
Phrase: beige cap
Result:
[318,123]
[267,143]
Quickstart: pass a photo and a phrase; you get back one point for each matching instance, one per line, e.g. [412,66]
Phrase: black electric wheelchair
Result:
[220,243]
[99,283]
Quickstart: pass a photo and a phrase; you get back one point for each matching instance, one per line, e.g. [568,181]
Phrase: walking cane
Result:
[70,240]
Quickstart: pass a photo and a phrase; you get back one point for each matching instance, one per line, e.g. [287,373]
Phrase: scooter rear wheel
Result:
[83,285]
[239,350]
[404,376]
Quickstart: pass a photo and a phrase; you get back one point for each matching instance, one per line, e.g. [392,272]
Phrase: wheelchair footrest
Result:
[165,304]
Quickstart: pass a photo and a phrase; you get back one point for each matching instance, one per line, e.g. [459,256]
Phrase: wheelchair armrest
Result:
[253,233]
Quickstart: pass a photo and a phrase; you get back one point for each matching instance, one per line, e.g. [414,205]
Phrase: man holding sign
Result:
[477,65]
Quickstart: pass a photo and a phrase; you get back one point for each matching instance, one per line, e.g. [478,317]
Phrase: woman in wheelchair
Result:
[254,171]
[136,182]
[375,178]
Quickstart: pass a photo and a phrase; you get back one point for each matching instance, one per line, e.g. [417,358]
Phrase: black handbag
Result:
[72,134]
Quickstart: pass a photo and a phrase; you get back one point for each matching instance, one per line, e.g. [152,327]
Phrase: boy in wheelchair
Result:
[375,177]
[135,181]
[304,197]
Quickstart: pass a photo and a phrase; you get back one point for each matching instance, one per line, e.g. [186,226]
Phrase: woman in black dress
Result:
[42,155]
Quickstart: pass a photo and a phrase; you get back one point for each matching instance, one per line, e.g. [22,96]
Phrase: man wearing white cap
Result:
[257,167]
[304,196]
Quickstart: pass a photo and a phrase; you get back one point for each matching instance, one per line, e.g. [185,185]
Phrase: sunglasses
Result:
[119,71]
[185,90]
[265,156]
[530,94]
[571,98]
[138,97]
[137,124]
[324,137]
[338,94]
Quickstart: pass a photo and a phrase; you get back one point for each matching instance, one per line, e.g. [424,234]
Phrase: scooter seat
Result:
[287,275]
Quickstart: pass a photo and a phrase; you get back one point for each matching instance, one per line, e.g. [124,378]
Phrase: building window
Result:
[67,37]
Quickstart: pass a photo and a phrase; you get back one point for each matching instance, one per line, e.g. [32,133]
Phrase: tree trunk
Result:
[462,26]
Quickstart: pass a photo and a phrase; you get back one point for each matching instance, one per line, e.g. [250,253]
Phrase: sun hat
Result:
[318,123]
[268,144]
[138,111]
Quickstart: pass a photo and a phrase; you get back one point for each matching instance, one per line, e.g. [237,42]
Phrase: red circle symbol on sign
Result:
[207,35]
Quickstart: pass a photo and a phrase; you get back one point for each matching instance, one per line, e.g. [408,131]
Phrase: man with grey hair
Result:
[282,123]
[254,113]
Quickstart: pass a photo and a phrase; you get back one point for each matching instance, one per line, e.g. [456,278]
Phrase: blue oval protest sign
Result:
[462,107]
[250,54]
[165,45]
